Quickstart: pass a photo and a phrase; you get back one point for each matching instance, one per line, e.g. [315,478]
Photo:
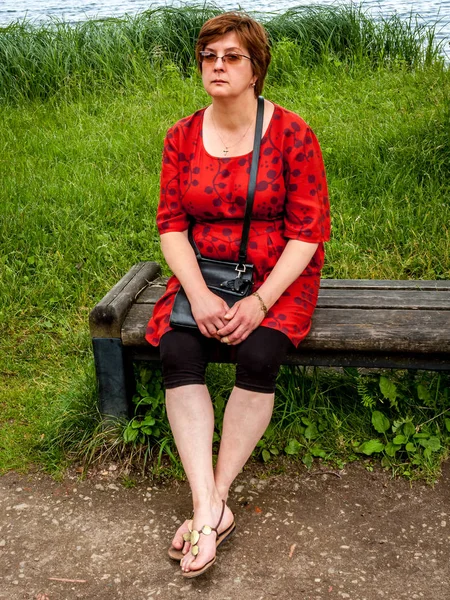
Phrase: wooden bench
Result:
[358,322]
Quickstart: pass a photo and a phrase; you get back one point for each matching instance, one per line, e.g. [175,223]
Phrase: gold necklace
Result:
[226,148]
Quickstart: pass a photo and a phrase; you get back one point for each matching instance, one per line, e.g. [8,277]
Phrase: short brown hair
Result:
[250,32]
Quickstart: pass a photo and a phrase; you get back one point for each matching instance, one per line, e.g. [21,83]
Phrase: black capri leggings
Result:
[185,354]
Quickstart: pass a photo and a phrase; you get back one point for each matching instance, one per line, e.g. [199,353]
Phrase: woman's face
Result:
[226,79]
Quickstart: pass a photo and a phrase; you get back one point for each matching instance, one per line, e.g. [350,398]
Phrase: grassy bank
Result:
[65,60]
[79,193]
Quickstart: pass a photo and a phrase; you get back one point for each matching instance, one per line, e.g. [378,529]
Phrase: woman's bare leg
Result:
[246,418]
[191,417]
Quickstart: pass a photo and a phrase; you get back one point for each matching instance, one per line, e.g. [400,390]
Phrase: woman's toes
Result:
[178,541]
[185,562]
[186,547]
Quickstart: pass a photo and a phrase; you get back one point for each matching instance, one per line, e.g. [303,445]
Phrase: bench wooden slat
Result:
[389,299]
[350,297]
[389,284]
[356,329]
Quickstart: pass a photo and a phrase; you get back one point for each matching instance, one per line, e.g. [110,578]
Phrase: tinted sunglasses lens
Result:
[232,58]
[208,57]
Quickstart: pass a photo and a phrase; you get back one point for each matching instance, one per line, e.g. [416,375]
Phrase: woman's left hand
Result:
[244,317]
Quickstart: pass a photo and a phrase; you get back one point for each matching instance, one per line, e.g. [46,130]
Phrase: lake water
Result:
[40,11]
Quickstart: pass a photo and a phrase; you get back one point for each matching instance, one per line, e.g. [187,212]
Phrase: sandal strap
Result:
[216,528]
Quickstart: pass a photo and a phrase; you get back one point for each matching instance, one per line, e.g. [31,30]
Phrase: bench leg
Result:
[114,376]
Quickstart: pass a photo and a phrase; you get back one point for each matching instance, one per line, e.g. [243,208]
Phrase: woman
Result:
[204,182]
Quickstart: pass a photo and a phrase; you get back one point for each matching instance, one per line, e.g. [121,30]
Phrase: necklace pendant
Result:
[225,151]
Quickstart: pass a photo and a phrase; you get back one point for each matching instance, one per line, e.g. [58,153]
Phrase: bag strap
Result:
[250,194]
[252,184]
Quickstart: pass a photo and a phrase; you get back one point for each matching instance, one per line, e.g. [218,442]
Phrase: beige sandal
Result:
[194,537]
[177,555]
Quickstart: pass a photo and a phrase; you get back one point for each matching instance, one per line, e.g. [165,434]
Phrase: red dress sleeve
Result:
[307,210]
[171,215]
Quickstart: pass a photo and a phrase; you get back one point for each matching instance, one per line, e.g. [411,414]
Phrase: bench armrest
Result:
[106,318]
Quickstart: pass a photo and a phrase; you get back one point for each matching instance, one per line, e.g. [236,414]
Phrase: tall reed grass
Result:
[60,58]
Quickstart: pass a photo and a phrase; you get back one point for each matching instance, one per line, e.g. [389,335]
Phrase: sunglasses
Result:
[231,58]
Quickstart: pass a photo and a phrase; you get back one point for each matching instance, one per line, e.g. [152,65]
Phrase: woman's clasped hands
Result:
[215,319]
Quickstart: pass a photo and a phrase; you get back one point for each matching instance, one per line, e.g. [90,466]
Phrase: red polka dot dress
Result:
[291,202]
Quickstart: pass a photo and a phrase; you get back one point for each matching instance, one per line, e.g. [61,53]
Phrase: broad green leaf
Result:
[146,400]
[433,444]
[147,430]
[447,424]
[400,439]
[380,422]
[409,429]
[421,436]
[370,447]
[266,455]
[149,421]
[145,376]
[311,432]
[306,421]
[318,451]
[130,434]
[423,393]
[308,460]
[388,389]
[410,447]
[269,432]
[293,447]
[427,452]
[416,459]
[274,451]
[135,424]
[141,389]
[391,449]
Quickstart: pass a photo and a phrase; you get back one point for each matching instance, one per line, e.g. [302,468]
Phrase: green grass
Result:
[80,177]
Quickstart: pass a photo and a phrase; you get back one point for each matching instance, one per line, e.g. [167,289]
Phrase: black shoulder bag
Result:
[229,280]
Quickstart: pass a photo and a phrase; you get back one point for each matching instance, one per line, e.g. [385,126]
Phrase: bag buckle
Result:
[240,269]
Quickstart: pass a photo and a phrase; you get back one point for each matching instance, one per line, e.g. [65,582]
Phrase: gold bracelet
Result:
[261,302]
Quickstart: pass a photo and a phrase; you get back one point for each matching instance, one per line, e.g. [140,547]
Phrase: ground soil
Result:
[308,536]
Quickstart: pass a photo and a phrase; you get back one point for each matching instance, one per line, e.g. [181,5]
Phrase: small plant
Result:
[268,445]
[409,444]
[149,426]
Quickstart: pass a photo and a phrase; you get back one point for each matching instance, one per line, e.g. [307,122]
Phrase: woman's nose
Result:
[218,65]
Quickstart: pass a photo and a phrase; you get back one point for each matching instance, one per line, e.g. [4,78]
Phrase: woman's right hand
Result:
[208,311]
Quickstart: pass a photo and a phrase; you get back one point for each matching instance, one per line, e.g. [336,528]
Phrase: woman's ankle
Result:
[223,492]
[203,501]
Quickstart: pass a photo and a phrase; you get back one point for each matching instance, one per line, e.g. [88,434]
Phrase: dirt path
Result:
[308,537]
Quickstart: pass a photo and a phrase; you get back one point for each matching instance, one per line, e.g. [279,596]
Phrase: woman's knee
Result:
[183,358]
[259,358]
